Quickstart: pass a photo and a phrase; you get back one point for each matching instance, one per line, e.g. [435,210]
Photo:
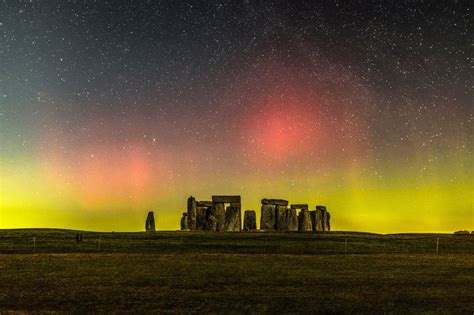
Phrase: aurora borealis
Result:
[108,110]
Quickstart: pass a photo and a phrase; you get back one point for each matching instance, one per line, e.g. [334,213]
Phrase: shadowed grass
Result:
[235,273]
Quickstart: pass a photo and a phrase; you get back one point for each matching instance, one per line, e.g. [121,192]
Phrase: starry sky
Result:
[111,108]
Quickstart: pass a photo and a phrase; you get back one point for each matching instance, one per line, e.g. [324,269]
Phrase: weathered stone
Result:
[236,205]
[304,221]
[150,222]
[327,222]
[281,224]
[291,220]
[250,220]
[463,232]
[268,219]
[319,220]
[211,223]
[299,206]
[312,214]
[276,202]
[191,213]
[218,211]
[184,222]
[204,203]
[201,218]
[321,208]
[226,199]
[232,219]
[323,218]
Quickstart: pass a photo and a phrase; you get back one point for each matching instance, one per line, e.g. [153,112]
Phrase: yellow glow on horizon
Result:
[356,202]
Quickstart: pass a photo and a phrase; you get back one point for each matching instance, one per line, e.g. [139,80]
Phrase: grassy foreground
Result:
[235,272]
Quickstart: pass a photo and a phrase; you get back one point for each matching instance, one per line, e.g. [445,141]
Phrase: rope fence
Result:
[286,243]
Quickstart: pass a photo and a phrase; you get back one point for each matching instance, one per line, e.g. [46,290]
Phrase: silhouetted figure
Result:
[78,237]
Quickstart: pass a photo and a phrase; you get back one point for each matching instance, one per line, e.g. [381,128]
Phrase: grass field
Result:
[183,272]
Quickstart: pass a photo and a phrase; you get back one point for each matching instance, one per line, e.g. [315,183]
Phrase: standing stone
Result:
[281,223]
[191,213]
[327,222]
[312,214]
[235,204]
[319,220]
[250,220]
[304,221]
[150,222]
[323,218]
[292,220]
[267,219]
[232,219]
[218,211]
[211,223]
[184,222]
[201,218]
[238,206]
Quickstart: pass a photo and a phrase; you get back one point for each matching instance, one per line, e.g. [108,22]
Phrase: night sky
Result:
[110,109]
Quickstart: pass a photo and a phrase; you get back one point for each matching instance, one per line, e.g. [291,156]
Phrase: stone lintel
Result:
[276,202]
[300,206]
[205,204]
[226,199]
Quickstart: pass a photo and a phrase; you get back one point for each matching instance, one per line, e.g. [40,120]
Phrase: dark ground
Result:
[235,272]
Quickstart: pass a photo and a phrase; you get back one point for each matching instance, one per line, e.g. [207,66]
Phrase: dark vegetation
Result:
[186,272]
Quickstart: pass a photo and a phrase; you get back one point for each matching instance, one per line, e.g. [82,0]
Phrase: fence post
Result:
[345,246]
[437,245]
[34,244]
